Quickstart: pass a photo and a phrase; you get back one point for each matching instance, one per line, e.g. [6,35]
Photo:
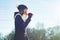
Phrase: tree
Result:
[10,36]
[1,36]
[53,33]
[36,34]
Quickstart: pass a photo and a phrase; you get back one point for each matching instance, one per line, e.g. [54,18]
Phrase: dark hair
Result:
[22,7]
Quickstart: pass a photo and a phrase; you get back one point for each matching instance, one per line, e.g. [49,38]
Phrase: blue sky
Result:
[46,12]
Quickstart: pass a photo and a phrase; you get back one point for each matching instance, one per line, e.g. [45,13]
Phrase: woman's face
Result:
[25,11]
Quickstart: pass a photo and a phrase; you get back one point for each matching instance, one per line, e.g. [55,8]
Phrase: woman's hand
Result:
[30,15]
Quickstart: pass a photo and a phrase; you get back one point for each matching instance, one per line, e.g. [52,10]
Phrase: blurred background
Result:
[46,18]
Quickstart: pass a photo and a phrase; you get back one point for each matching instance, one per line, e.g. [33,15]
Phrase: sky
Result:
[46,12]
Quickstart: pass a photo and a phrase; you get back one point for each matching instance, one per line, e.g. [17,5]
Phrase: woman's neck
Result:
[20,13]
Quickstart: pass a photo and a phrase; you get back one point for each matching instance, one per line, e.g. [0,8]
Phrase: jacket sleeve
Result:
[29,19]
[27,22]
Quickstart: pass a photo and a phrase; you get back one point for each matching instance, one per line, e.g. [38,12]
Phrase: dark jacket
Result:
[20,26]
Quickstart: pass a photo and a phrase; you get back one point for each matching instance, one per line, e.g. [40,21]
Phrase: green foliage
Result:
[53,33]
[1,36]
[37,34]
[10,36]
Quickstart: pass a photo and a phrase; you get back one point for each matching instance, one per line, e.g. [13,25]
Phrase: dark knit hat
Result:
[22,7]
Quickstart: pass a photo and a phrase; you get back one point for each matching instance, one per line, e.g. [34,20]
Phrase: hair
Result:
[21,7]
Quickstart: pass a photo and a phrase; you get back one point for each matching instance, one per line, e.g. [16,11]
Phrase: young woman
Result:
[22,19]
